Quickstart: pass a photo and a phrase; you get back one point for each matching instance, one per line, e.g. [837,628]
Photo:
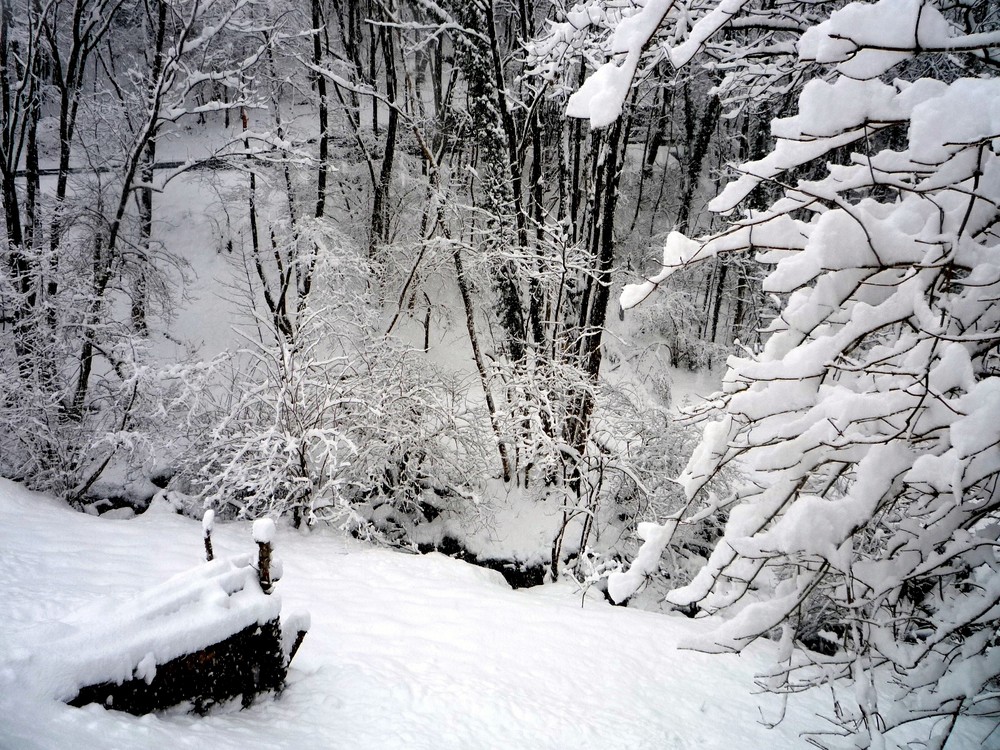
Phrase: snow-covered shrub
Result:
[421,451]
[338,423]
[129,422]
[83,282]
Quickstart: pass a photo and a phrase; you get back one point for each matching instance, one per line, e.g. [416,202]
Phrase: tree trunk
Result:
[324,119]
[145,200]
[470,323]
[697,150]
[720,287]
[380,199]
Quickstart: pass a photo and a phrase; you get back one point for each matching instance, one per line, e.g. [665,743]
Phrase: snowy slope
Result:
[404,651]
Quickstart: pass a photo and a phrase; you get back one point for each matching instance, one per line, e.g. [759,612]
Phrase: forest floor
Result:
[405,651]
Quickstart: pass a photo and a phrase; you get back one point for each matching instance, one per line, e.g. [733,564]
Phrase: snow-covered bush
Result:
[867,424]
[89,89]
[132,421]
[338,423]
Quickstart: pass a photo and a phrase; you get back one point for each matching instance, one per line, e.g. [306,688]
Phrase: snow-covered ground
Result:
[405,651]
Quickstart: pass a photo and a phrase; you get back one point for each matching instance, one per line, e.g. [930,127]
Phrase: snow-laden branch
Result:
[866,424]
[603,95]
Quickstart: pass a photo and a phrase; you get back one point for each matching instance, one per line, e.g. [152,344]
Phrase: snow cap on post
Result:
[208,522]
[263,531]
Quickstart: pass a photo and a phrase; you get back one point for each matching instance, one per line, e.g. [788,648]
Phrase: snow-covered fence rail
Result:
[204,636]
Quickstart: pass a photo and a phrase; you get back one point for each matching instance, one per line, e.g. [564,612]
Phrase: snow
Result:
[858,35]
[655,537]
[403,651]
[602,96]
[263,531]
[208,522]
[967,112]
[189,611]
[146,669]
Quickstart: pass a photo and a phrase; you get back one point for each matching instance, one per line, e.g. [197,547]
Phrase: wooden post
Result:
[263,534]
[207,522]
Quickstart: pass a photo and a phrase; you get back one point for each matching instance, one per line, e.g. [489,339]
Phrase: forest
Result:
[432,274]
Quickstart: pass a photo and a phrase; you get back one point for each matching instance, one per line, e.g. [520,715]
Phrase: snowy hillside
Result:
[689,305]
[404,651]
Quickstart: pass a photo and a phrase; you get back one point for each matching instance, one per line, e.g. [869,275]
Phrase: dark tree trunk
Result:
[720,287]
[324,119]
[380,200]
[145,198]
[698,144]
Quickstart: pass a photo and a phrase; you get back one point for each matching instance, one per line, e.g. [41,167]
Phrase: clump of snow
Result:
[263,531]
[865,40]
[291,625]
[277,568]
[298,620]
[165,501]
[208,522]
[966,112]
[146,669]
[603,94]
[120,514]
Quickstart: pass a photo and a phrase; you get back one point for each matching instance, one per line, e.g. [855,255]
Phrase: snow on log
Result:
[204,636]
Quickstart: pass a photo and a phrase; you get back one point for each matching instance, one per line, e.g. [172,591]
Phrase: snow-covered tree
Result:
[86,89]
[867,425]
[331,421]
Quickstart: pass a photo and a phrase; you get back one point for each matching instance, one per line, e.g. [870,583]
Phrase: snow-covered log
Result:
[204,636]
